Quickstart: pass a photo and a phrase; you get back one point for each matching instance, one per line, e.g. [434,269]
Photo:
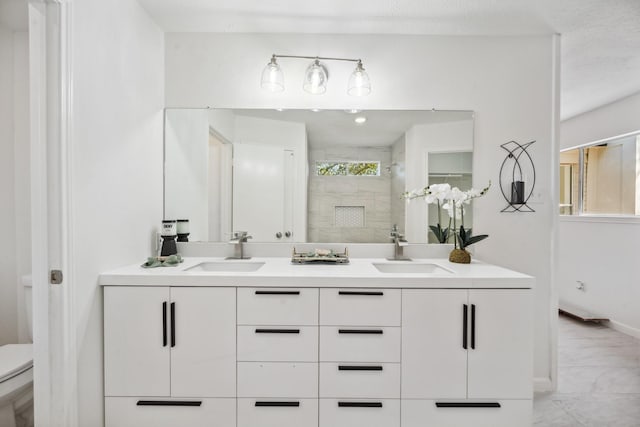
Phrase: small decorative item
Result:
[322,256]
[183,230]
[452,200]
[516,167]
[169,232]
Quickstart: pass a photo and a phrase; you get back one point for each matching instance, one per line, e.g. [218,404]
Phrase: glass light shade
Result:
[272,77]
[315,78]
[359,83]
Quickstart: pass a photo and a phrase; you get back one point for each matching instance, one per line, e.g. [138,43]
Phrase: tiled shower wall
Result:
[371,192]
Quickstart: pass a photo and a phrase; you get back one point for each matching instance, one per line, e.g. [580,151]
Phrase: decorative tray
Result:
[320,256]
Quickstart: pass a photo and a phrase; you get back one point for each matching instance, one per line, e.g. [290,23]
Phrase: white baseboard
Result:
[542,384]
[625,329]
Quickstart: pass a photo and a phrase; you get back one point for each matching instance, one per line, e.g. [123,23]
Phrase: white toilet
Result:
[16,375]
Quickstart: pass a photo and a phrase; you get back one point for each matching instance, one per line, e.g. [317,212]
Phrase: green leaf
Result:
[476,239]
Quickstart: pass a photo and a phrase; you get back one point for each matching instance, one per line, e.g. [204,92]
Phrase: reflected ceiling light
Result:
[360,120]
[353,111]
[316,76]
[272,77]
[315,110]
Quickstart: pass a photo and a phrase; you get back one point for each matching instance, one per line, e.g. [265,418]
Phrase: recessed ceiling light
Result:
[360,120]
[353,111]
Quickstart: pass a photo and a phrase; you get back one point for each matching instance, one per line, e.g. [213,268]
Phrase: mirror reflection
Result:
[310,176]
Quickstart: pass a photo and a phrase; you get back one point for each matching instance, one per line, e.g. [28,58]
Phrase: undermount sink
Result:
[227,266]
[413,268]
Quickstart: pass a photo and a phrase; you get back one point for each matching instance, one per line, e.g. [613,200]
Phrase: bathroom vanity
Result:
[264,343]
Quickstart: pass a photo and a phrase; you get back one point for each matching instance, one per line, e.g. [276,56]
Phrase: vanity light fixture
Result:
[353,111]
[316,76]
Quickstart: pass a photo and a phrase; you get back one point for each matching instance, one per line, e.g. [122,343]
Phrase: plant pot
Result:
[460,256]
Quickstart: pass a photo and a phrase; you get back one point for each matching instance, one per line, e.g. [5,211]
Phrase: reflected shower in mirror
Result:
[310,176]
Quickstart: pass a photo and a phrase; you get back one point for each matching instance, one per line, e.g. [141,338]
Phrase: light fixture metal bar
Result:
[324,58]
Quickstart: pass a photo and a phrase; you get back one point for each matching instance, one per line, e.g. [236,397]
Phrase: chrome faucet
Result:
[239,239]
[399,244]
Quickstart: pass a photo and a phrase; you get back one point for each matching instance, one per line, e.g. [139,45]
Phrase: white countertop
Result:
[359,273]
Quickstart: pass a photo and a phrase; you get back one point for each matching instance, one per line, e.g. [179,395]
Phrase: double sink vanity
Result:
[267,343]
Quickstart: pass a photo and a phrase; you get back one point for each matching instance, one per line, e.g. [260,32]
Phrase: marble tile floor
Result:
[598,379]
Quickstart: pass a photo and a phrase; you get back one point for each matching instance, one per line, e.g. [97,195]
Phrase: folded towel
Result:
[170,261]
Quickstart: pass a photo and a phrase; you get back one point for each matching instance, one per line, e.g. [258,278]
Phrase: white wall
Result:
[508,81]
[8,282]
[603,253]
[15,251]
[118,96]
[186,170]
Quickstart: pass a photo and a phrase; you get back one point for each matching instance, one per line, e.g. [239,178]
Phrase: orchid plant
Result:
[453,200]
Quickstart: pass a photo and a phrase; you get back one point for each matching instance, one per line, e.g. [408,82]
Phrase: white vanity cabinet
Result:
[466,353]
[169,347]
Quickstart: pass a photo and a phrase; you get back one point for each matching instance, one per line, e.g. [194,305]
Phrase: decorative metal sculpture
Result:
[517,172]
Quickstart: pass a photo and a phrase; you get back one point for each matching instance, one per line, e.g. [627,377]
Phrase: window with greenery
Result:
[601,178]
[348,168]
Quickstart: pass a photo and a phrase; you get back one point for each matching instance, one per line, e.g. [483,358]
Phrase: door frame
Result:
[50,92]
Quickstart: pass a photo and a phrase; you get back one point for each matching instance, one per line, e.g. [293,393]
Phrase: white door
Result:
[136,341]
[501,355]
[259,198]
[434,358]
[203,356]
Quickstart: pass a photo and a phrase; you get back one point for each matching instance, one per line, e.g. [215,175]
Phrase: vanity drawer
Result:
[155,412]
[360,307]
[277,413]
[359,344]
[277,306]
[360,380]
[277,379]
[360,413]
[277,344]
[511,413]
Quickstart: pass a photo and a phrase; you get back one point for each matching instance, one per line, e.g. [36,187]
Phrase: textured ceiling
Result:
[600,38]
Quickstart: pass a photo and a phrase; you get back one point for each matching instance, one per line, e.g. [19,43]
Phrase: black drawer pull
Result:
[277,331]
[473,326]
[360,404]
[467,405]
[359,368]
[173,324]
[370,293]
[169,403]
[361,331]
[278,404]
[464,325]
[277,292]
[164,324]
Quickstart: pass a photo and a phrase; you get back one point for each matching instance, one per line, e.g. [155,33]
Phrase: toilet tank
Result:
[28,303]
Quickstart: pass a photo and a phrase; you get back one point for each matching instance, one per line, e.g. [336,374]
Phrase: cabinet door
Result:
[203,357]
[434,360]
[501,355]
[136,356]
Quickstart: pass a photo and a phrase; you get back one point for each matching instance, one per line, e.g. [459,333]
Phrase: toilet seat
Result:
[14,360]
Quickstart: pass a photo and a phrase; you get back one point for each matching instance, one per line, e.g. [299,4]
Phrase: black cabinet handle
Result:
[371,293]
[464,326]
[164,324]
[467,405]
[360,404]
[277,331]
[169,403]
[277,404]
[359,368]
[361,331]
[173,324]
[277,292]
[473,326]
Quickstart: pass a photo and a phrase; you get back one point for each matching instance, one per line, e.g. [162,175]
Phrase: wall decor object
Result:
[517,177]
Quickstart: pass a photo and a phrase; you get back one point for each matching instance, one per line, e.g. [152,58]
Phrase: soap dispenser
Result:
[169,233]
